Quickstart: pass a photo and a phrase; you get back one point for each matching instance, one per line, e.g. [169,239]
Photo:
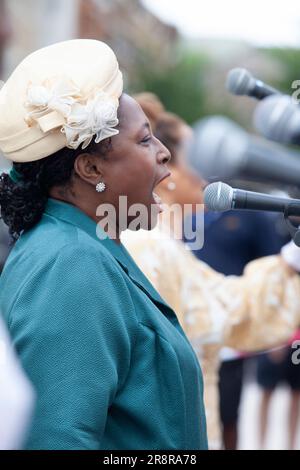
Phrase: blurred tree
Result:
[181,87]
[289,60]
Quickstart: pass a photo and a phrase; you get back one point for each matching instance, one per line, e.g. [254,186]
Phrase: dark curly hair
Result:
[23,202]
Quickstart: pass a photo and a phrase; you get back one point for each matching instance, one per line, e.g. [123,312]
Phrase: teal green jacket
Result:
[110,364]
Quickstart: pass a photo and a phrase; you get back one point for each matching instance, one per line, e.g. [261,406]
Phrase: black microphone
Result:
[221,197]
[241,82]
[278,118]
[222,150]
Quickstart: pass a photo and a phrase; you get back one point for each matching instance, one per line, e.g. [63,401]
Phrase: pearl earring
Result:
[100,187]
[171,186]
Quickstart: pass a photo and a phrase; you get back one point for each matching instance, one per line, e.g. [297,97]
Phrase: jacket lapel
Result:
[75,216]
[127,263]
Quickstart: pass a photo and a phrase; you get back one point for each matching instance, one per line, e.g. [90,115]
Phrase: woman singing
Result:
[110,364]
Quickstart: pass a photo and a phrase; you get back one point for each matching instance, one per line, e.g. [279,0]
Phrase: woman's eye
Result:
[146,139]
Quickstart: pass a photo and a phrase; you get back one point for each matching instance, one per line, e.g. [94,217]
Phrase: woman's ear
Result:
[88,167]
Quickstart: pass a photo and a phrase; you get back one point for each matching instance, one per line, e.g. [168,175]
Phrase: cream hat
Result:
[60,96]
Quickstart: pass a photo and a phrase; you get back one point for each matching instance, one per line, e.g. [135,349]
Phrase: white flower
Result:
[97,118]
[42,100]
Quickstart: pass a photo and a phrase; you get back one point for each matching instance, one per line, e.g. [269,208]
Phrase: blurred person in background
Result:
[232,240]
[16,396]
[282,366]
[5,33]
[213,309]
[275,368]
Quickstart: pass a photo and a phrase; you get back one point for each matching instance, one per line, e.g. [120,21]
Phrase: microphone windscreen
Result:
[274,118]
[218,197]
[218,148]
[239,81]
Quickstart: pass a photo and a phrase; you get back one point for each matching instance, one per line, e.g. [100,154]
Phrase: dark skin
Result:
[133,166]
[188,185]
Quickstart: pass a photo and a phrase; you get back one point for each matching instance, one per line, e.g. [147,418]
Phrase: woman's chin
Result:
[147,222]
[147,214]
[151,221]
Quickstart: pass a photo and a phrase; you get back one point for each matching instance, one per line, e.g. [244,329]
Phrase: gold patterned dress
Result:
[256,311]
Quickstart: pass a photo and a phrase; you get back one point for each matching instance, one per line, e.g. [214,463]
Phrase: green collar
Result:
[73,215]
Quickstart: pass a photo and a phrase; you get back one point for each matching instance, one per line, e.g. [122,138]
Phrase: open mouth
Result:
[156,199]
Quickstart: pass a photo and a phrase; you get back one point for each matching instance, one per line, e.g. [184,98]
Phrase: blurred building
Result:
[38,23]
[135,34]
[5,32]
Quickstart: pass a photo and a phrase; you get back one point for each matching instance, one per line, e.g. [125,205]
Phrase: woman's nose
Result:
[164,154]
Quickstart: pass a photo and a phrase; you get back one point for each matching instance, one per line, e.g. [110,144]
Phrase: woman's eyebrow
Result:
[146,125]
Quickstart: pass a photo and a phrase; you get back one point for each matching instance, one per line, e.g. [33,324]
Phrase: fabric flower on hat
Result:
[96,118]
[42,99]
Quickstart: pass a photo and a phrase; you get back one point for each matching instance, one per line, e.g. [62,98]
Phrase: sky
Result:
[259,22]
